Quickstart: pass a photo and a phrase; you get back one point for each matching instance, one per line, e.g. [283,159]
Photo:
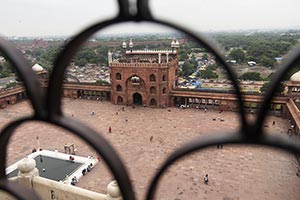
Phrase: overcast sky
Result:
[68,17]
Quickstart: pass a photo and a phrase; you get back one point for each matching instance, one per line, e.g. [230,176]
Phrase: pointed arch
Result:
[137,98]
[152,90]
[152,78]
[118,76]
[153,102]
[119,99]
[119,88]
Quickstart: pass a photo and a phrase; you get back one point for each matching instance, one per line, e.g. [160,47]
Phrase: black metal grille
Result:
[47,106]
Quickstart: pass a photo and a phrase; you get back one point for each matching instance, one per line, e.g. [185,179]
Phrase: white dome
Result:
[177,44]
[124,45]
[130,43]
[295,77]
[37,68]
[173,43]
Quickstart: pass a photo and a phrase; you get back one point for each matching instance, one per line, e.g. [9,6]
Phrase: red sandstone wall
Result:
[127,70]
[144,89]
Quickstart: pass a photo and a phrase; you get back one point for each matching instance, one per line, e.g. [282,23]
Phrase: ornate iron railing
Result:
[47,106]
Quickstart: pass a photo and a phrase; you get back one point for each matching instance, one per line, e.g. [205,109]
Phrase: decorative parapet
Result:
[147,65]
[156,51]
[49,189]
[46,188]
[11,91]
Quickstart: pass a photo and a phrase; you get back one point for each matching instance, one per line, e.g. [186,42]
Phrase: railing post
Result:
[27,171]
[113,191]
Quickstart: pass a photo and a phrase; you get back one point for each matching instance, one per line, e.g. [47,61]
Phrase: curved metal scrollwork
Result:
[47,106]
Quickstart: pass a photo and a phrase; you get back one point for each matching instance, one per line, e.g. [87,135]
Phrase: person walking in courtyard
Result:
[109,129]
[206,179]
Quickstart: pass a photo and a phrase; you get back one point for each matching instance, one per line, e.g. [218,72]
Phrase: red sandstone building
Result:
[143,77]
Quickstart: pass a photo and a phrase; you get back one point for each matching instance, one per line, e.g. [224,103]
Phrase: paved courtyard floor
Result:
[144,137]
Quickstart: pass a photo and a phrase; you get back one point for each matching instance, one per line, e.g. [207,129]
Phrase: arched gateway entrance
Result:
[137,99]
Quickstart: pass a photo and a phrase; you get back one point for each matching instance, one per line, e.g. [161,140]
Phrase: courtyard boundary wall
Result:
[226,101]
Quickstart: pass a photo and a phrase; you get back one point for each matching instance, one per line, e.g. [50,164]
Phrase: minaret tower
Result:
[176,45]
[130,45]
[173,44]
[109,55]
[124,46]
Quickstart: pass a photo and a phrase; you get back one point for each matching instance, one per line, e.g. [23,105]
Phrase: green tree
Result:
[91,55]
[11,85]
[254,76]
[267,61]
[212,67]
[260,47]
[180,73]
[279,88]
[183,57]
[207,74]
[46,57]
[189,67]
[238,55]
[5,69]
[81,62]
[102,82]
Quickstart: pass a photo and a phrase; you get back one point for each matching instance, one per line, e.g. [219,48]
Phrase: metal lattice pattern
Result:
[47,106]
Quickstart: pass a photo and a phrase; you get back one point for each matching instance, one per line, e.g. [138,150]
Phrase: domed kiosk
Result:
[39,70]
[295,77]
[294,85]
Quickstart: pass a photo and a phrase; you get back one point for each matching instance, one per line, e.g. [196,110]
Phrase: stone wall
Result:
[49,189]
[143,71]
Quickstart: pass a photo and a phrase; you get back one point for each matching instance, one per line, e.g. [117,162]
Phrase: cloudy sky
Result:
[68,17]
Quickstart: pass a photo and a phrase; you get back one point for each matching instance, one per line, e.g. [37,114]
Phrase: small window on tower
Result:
[152,77]
[152,90]
[164,78]
[164,90]
[118,76]
[153,102]
[120,99]
[119,88]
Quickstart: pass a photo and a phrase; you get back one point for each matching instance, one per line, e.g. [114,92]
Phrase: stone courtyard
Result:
[144,137]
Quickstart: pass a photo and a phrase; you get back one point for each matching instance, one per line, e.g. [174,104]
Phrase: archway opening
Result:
[137,99]
[119,100]
[153,102]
